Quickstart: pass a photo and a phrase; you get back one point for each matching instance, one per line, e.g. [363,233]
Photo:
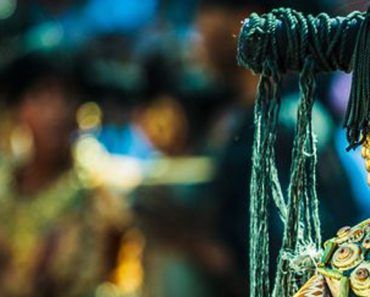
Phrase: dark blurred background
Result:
[142,106]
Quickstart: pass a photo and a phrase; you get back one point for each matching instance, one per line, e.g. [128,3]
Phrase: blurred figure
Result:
[58,236]
[196,232]
[172,124]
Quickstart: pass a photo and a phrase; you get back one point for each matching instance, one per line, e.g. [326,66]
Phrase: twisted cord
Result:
[264,176]
[325,39]
[302,226]
[264,182]
[358,112]
[339,43]
[310,45]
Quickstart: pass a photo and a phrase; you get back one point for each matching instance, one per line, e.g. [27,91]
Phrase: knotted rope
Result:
[271,45]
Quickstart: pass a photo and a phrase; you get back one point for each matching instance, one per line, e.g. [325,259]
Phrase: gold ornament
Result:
[365,153]
[344,269]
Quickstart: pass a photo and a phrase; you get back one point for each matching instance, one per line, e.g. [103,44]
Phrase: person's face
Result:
[165,124]
[50,115]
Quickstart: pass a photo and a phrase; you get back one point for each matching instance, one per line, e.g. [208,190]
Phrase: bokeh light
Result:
[7,8]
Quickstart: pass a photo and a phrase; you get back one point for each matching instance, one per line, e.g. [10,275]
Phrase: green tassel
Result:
[358,112]
[302,226]
[263,176]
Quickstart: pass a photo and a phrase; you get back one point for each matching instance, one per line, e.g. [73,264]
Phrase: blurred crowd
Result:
[125,135]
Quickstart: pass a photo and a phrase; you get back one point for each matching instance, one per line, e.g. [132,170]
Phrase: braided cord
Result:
[264,173]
